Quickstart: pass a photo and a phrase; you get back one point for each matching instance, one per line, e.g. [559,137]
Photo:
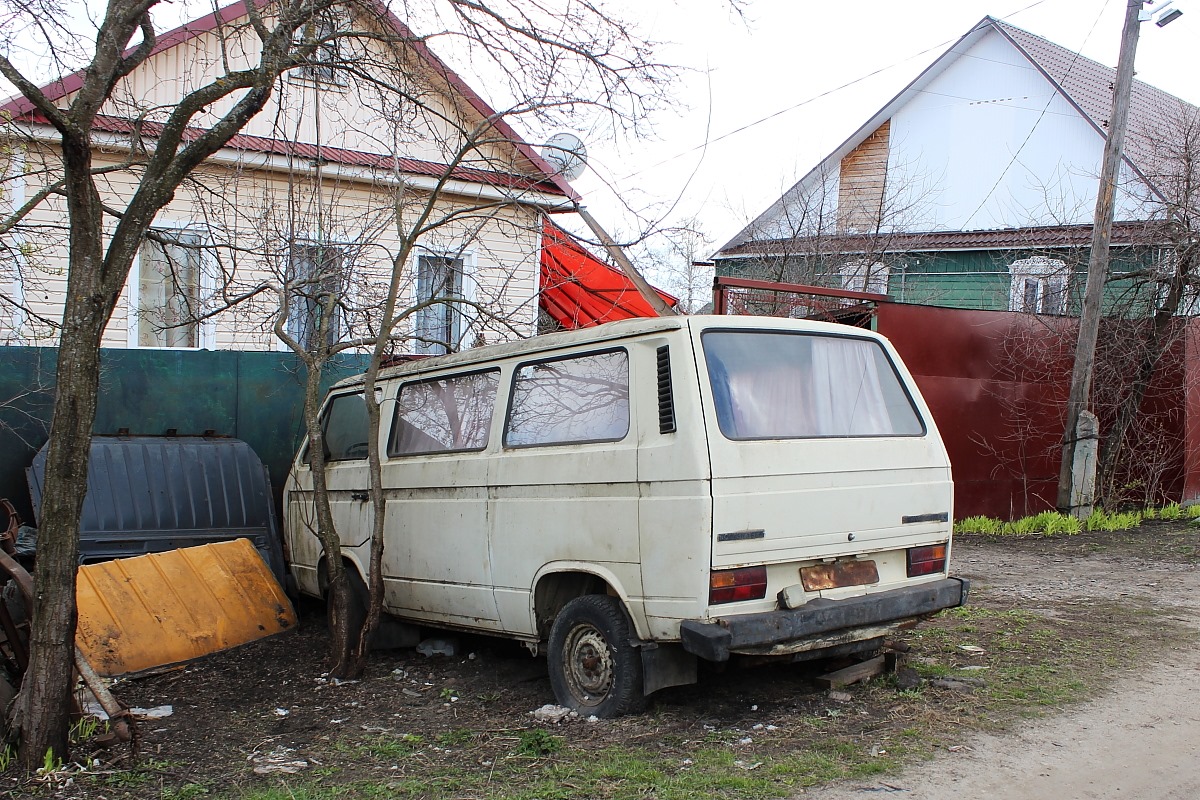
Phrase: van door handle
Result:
[359,496]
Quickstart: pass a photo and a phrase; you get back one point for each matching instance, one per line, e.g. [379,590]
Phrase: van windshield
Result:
[771,385]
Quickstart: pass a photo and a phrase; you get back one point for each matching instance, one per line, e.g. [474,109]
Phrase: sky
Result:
[775,92]
[768,92]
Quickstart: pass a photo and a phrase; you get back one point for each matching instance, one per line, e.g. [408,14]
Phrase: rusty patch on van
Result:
[838,574]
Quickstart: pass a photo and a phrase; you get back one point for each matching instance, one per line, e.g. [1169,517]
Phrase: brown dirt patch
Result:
[461,727]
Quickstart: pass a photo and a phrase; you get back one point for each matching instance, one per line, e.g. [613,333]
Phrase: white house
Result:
[316,193]
[974,186]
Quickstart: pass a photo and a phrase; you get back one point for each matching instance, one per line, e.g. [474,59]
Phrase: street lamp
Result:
[1163,13]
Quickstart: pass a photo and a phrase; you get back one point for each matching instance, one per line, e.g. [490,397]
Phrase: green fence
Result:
[256,397]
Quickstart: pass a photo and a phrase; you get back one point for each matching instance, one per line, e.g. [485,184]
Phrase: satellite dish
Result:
[566,153]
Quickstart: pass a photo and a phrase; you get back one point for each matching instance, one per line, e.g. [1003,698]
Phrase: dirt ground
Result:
[265,716]
[1140,739]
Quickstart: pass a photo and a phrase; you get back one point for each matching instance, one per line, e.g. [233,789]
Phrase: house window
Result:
[169,289]
[439,325]
[865,276]
[316,281]
[322,31]
[1039,286]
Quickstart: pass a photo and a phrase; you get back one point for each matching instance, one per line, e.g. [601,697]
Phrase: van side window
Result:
[444,414]
[345,427]
[578,399]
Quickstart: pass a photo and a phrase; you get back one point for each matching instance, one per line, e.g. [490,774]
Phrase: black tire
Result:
[594,667]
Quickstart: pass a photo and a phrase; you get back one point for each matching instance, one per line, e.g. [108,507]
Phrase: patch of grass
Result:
[983,525]
[457,738]
[189,791]
[389,747]
[1116,521]
[1052,523]
[538,743]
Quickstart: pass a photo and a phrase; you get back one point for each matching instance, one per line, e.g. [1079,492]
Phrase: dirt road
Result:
[1142,740]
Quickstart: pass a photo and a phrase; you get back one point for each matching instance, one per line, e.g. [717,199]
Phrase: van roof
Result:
[609,331]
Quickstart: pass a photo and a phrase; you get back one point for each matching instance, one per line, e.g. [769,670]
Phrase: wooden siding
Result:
[248,216]
[422,116]
[248,213]
[968,279]
[863,179]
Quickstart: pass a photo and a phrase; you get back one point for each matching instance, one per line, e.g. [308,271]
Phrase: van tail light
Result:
[731,585]
[926,560]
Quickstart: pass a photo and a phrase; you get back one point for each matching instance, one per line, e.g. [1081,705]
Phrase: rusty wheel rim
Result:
[589,664]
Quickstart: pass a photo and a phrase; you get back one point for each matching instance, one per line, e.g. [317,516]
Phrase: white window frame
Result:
[865,276]
[469,292]
[1189,304]
[1043,270]
[206,329]
[322,70]
[16,283]
[314,239]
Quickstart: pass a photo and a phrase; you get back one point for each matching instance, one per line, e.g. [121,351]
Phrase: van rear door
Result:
[821,448]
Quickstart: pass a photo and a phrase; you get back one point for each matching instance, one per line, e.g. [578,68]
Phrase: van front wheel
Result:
[594,668]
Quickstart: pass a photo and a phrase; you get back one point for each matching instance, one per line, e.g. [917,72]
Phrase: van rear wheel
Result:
[594,667]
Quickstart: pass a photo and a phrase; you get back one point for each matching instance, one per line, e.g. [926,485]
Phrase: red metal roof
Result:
[579,290]
[1043,237]
[336,155]
[20,106]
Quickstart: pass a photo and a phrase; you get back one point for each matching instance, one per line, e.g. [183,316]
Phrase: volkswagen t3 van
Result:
[633,497]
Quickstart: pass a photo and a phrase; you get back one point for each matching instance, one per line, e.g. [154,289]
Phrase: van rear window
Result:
[577,399]
[444,414]
[769,385]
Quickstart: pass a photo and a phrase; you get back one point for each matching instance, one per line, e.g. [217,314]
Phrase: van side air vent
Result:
[666,398]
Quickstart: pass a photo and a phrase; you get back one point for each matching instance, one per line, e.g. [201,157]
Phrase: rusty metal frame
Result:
[722,283]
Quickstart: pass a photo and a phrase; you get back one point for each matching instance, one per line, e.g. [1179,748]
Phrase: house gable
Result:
[1003,130]
[345,116]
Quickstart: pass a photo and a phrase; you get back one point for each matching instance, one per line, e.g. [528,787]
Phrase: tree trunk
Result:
[44,706]
[338,599]
[46,689]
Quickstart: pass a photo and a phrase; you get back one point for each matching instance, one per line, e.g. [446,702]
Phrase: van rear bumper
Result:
[714,641]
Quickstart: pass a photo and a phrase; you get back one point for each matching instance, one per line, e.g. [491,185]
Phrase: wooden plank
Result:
[851,674]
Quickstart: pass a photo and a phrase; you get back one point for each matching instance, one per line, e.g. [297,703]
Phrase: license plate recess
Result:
[850,572]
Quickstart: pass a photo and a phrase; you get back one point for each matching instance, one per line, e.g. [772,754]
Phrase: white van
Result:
[638,495]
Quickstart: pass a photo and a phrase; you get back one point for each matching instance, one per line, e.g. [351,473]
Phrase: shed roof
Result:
[1037,237]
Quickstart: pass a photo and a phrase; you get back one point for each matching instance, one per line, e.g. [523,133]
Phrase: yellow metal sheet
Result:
[164,608]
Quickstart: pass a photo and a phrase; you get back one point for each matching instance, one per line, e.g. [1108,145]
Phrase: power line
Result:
[1074,60]
[813,99]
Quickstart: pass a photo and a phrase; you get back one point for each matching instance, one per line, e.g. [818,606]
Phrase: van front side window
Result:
[787,385]
[444,414]
[582,399]
[345,427]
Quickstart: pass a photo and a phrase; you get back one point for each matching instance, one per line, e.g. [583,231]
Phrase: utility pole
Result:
[618,255]
[1072,496]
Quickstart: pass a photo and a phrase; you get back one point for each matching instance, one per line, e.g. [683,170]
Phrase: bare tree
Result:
[1167,287]
[809,238]
[676,257]
[549,64]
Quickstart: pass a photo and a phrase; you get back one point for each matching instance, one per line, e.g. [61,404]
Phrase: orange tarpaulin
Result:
[579,290]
